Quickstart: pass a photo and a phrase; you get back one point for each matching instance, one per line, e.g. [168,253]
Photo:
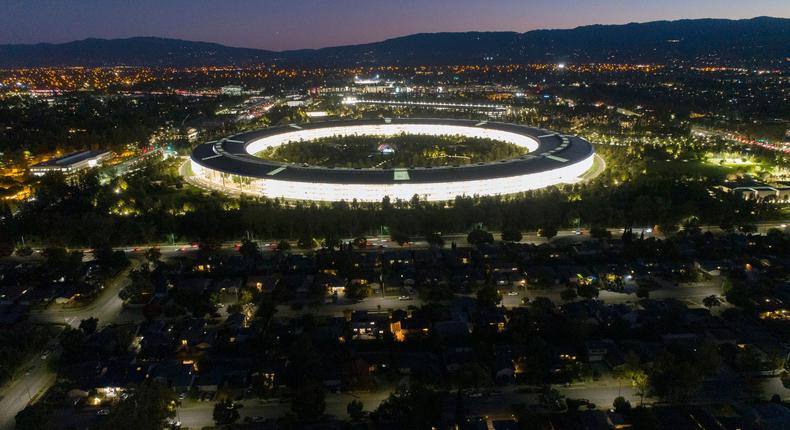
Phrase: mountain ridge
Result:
[754,41]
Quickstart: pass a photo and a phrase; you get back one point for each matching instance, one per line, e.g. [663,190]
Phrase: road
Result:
[194,414]
[15,395]
[107,307]
[691,294]
[376,243]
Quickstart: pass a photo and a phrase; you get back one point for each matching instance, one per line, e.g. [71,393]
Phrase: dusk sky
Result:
[291,24]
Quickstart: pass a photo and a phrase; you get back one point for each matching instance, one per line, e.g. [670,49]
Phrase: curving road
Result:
[37,376]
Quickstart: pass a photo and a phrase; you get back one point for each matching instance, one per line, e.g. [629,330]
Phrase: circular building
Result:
[228,164]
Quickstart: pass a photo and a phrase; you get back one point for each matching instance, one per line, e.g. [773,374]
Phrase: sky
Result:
[294,24]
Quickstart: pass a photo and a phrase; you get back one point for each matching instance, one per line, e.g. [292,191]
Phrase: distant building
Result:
[296,103]
[191,134]
[372,85]
[753,190]
[231,90]
[367,81]
[71,163]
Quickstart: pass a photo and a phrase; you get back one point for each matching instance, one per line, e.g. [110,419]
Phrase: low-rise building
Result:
[70,164]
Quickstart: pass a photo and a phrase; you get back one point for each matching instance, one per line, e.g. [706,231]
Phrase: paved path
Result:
[32,384]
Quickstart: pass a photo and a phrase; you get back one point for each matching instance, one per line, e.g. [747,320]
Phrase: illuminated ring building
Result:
[229,164]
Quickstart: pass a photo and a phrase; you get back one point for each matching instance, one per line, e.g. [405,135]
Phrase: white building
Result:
[71,163]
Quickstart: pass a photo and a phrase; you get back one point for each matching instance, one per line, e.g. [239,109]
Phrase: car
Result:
[512,293]
[103,412]
[404,298]
[173,423]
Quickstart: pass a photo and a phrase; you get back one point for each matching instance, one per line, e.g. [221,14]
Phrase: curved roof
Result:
[230,155]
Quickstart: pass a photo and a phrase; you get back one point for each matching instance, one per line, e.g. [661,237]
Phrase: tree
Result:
[140,285]
[399,236]
[643,418]
[568,294]
[33,417]
[73,344]
[225,412]
[598,232]
[548,232]
[355,410]
[356,375]
[587,291]
[434,239]
[528,419]
[707,359]
[691,227]
[668,229]
[249,249]
[153,255]
[726,226]
[147,406]
[62,264]
[674,377]
[488,297]
[621,405]
[473,375]
[479,236]
[511,234]
[103,252]
[308,401]
[208,249]
[283,245]
[543,304]
[416,407]
[634,371]
[306,242]
[88,326]
[711,301]
[357,291]
[6,242]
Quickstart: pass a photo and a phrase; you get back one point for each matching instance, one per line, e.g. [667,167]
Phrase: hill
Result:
[760,41]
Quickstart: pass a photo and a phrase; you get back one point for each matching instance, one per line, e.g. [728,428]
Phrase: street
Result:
[194,414]
[15,395]
[107,307]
